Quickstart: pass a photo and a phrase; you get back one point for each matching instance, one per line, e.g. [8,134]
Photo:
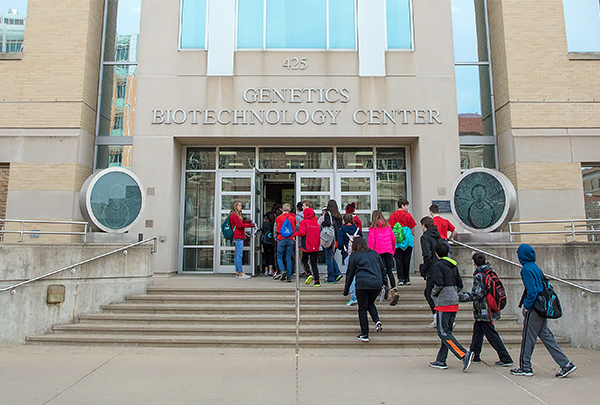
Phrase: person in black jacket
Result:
[367,267]
[429,240]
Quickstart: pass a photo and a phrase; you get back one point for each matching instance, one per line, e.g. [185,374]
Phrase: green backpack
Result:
[398,232]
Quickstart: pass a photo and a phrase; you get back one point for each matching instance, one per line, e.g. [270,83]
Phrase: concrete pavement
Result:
[122,375]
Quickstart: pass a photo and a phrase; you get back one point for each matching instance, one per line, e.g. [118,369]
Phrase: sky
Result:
[19,5]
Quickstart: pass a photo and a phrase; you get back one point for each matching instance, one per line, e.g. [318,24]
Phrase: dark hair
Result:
[401,202]
[441,249]
[348,218]
[427,222]
[308,203]
[270,217]
[299,206]
[359,245]
[434,209]
[479,259]
[332,207]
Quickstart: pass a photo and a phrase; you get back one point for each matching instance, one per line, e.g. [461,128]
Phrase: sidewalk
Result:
[120,375]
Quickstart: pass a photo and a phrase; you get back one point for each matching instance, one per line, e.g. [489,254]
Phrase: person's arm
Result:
[438,280]
[452,230]
[452,235]
[529,282]
[427,253]
[478,291]
[372,237]
[459,282]
[301,230]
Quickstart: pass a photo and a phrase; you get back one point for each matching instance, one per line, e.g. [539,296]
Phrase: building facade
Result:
[266,102]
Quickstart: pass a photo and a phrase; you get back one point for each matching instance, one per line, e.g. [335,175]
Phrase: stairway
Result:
[261,314]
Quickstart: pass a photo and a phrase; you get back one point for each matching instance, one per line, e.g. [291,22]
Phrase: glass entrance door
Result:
[235,185]
[358,188]
[315,187]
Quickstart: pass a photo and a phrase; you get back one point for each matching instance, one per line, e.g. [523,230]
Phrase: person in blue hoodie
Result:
[535,326]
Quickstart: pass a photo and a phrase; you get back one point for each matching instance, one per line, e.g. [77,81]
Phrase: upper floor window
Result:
[193,24]
[582,24]
[296,24]
[398,23]
[13,14]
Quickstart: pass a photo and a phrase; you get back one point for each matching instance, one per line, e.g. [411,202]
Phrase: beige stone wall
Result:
[4,173]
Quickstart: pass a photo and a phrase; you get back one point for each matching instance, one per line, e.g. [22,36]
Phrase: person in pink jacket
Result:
[383,241]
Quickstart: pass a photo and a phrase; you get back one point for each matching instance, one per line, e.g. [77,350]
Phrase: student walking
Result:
[366,267]
[404,249]
[267,242]
[484,316]
[284,228]
[383,241]
[239,234]
[443,225]
[446,285]
[346,235]
[534,325]
[309,231]
[332,217]
[429,240]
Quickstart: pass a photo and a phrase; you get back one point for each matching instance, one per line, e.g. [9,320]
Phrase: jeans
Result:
[353,285]
[333,269]
[445,324]
[366,302]
[403,263]
[285,247]
[237,259]
[481,329]
[427,293]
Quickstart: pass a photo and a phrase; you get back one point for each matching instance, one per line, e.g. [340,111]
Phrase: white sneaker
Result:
[434,322]
[243,276]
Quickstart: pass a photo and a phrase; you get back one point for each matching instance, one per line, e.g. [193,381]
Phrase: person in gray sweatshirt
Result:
[446,285]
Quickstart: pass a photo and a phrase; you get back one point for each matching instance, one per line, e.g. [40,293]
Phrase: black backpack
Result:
[547,304]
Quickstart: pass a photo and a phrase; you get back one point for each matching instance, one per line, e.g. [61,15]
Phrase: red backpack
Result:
[496,296]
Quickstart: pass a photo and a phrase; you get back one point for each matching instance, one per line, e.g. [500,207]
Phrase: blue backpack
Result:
[286,229]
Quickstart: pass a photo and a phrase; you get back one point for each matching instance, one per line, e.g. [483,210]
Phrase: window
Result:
[296,24]
[193,24]
[582,24]
[13,14]
[398,21]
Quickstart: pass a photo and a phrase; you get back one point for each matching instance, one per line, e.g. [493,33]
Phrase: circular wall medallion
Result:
[112,200]
[483,200]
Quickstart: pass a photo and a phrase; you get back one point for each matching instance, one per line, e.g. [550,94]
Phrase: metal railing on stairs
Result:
[519,265]
[22,231]
[588,227]
[73,266]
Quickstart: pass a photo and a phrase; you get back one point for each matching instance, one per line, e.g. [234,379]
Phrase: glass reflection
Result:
[390,188]
[227,257]
[236,158]
[122,30]
[13,14]
[355,158]
[196,259]
[355,184]
[474,100]
[200,159]
[363,202]
[236,184]
[391,159]
[315,184]
[117,107]
[199,209]
[289,158]
[472,156]
[468,30]
[319,201]
[114,156]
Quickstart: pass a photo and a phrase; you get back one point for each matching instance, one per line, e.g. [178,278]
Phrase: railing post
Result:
[21,234]
[573,229]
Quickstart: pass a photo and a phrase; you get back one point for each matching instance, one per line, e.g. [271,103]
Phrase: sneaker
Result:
[329,282]
[317,284]
[242,275]
[284,278]
[467,360]
[566,370]
[288,279]
[338,278]
[433,323]
[476,360]
[402,283]
[500,363]
[351,303]
[363,338]
[407,283]
[438,364]
[521,371]
[378,326]
[395,297]
[308,280]
[277,276]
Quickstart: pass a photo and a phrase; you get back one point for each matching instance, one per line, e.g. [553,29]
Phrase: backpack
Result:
[267,236]
[350,240]
[286,229]
[547,304]
[226,229]
[398,232]
[496,296]
[327,234]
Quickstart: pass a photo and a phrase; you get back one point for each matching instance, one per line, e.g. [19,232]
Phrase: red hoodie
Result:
[310,230]
[239,225]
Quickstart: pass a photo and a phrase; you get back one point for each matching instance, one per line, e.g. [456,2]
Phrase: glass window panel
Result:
[198,259]
[113,156]
[250,24]
[315,184]
[363,202]
[12,30]
[237,158]
[391,159]
[286,158]
[341,24]
[355,158]
[319,201]
[591,197]
[472,156]
[355,184]
[117,106]
[201,159]
[469,31]
[473,94]
[193,24]
[390,188]
[227,200]
[294,24]
[199,220]
[122,30]
[227,257]
[365,219]
[236,184]
[398,24]
[582,23]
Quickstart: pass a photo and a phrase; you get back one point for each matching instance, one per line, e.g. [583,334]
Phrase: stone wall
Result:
[576,262]
[87,289]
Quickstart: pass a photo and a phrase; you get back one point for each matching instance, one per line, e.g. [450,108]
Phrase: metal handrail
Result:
[22,231]
[520,265]
[569,230]
[73,266]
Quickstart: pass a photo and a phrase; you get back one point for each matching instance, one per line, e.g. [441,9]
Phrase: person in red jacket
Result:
[238,224]
[350,208]
[403,253]
[310,232]
[284,224]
